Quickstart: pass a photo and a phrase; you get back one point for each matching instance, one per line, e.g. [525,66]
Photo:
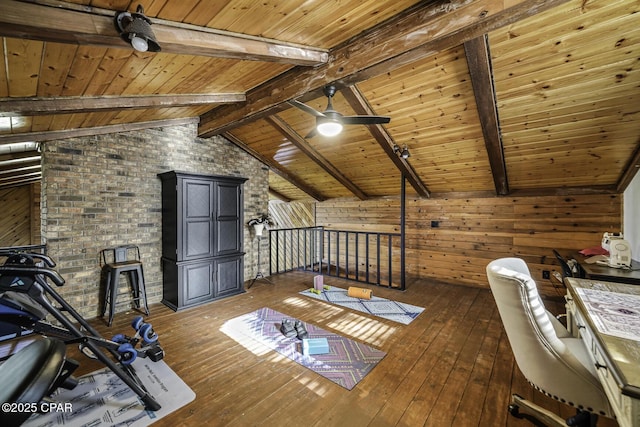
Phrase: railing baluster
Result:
[346,254]
[304,249]
[378,259]
[289,250]
[331,242]
[277,249]
[298,249]
[320,243]
[366,256]
[338,254]
[390,258]
[357,257]
[270,259]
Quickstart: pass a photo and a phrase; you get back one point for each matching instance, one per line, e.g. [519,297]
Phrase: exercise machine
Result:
[25,295]
[30,375]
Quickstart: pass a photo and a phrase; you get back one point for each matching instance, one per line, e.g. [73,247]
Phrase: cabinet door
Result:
[228,216]
[228,276]
[197,283]
[197,219]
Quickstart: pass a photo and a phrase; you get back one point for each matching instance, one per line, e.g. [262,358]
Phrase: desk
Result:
[610,274]
[617,360]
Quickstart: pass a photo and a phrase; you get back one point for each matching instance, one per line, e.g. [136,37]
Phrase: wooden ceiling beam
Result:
[479,62]
[361,106]
[19,177]
[279,195]
[98,130]
[531,192]
[92,26]
[34,165]
[34,106]
[424,30]
[20,182]
[297,140]
[19,157]
[630,170]
[276,168]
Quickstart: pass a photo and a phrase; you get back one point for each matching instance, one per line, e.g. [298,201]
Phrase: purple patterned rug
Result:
[346,364]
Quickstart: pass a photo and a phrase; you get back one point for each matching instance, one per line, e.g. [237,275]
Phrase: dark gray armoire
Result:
[202,241]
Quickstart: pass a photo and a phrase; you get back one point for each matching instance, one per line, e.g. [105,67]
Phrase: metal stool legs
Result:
[112,282]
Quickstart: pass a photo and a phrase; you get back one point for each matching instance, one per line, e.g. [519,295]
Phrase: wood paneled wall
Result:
[292,214]
[454,239]
[20,219]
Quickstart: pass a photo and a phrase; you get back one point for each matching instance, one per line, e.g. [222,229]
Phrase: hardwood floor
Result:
[451,366]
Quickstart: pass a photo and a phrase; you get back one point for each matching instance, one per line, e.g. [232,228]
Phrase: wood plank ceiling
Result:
[490,97]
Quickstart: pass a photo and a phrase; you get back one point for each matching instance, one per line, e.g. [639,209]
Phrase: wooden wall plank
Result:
[18,215]
[470,232]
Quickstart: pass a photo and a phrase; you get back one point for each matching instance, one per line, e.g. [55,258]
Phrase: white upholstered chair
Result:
[553,361]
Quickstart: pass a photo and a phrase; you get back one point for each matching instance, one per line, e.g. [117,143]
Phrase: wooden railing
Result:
[367,257]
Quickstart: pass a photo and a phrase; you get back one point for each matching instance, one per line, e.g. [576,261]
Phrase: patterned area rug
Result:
[346,364]
[102,399]
[376,306]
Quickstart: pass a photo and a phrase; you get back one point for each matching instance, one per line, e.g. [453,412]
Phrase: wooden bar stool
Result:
[114,262]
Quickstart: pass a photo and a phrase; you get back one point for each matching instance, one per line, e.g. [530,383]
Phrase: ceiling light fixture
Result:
[135,28]
[328,127]
[404,153]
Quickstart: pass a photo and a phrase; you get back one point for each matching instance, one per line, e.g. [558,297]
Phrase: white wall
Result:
[631,221]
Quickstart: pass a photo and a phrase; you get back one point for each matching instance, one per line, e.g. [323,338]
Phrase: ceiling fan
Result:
[330,122]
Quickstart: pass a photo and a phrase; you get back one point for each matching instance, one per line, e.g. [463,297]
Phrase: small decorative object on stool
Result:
[311,346]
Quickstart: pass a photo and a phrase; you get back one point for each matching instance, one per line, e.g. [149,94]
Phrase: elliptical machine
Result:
[24,302]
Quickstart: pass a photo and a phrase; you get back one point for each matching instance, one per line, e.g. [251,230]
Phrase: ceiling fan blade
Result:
[313,132]
[365,120]
[304,107]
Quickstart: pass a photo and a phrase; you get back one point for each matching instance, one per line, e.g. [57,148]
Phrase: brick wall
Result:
[103,191]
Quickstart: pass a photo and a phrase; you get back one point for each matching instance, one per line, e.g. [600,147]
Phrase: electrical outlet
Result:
[546,274]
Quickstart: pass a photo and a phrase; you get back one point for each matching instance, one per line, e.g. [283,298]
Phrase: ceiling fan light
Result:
[329,128]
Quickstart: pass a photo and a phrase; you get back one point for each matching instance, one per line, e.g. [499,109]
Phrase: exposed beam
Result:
[278,195]
[276,168]
[19,177]
[30,159]
[20,182]
[479,62]
[630,170]
[359,103]
[34,166]
[531,192]
[34,106]
[99,130]
[96,27]
[428,28]
[297,140]
[20,157]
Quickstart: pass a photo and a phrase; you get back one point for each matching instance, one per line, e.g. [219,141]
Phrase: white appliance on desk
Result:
[619,250]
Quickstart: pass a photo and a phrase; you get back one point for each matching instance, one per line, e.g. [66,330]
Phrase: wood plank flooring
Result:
[451,366]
